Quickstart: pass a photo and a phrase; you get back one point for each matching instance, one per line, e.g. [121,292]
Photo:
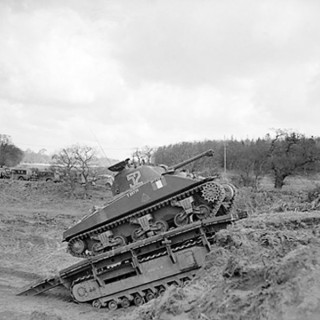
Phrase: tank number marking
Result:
[131,193]
[134,178]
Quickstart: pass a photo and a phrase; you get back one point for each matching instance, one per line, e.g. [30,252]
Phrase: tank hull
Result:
[132,201]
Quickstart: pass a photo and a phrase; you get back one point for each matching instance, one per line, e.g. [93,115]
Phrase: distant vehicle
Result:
[5,173]
[46,175]
[105,179]
[22,174]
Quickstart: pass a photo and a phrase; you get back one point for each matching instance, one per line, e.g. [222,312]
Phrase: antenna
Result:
[100,147]
[224,155]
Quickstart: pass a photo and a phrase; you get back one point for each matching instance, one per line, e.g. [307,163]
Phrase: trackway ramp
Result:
[137,272]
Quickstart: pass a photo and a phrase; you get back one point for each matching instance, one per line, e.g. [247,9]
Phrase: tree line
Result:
[281,155]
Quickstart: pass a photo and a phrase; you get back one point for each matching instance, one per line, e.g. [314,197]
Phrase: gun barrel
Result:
[208,153]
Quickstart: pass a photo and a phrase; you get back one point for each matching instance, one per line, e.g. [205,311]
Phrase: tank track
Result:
[227,206]
[112,301]
[187,244]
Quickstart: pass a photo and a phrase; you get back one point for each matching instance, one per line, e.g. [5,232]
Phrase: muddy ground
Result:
[264,267]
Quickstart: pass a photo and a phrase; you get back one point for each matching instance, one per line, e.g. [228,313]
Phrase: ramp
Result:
[129,261]
[40,286]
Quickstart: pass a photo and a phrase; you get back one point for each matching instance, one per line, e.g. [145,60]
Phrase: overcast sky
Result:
[119,75]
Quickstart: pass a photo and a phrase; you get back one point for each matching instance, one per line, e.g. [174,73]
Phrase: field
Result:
[264,267]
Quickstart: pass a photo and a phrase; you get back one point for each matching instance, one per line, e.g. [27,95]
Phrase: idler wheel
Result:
[181,219]
[112,305]
[82,291]
[78,246]
[230,191]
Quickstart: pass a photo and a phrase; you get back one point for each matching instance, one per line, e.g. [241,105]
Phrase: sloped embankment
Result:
[263,267]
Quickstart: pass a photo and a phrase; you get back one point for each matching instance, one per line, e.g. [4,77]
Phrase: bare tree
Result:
[143,156]
[85,157]
[75,163]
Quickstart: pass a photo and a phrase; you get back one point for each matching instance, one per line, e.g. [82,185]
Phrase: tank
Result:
[148,200]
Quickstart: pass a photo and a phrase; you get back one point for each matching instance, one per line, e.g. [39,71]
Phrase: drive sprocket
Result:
[212,192]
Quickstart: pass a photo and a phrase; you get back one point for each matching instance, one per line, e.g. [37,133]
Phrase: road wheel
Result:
[161,291]
[97,304]
[96,247]
[138,300]
[203,212]
[125,303]
[112,305]
[120,240]
[181,219]
[149,296]
[161,226]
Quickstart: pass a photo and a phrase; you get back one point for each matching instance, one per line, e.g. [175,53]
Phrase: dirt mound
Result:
[265,267]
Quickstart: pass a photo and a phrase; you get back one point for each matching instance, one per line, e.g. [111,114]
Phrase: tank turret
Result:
[148,200]
[129,176]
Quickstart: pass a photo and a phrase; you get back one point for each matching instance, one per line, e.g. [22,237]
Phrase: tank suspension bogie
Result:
[201,205]
[202,212]
[107,240]
[183,217]
[148,227]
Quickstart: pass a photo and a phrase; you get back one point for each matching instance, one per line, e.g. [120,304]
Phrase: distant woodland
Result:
[280,155]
